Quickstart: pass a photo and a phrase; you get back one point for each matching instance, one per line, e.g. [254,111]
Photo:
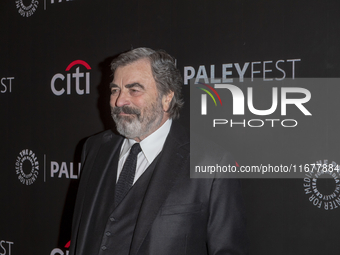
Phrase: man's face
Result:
[136,106]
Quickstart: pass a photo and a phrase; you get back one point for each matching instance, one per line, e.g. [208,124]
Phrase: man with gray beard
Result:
[135,194]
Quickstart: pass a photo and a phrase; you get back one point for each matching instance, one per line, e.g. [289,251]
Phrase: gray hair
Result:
[165,73]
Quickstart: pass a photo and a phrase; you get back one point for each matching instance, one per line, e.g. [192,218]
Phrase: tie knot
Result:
[135,149]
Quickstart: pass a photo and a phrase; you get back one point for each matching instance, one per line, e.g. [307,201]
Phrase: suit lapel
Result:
[103,160]
[174,156]
[95,166]
[97,172]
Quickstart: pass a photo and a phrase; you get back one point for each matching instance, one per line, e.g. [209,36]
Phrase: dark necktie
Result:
[127,174]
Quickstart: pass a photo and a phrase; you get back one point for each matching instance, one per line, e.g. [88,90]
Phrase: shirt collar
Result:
[151,145]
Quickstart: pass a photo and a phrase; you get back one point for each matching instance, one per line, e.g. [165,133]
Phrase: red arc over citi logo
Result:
[58,88]
[58,251]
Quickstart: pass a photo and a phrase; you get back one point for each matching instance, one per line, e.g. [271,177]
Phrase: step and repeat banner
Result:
[260,78]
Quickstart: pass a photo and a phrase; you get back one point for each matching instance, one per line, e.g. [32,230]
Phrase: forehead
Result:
[138,71]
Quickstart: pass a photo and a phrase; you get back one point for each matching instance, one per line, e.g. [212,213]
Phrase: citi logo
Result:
[239,98]
[80,81]
[58,251]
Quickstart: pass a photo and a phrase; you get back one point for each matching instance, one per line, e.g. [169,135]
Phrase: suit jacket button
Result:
[108,233]
[104,248]
[112,219]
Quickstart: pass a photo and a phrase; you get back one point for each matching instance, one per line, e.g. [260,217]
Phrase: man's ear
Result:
[166,100]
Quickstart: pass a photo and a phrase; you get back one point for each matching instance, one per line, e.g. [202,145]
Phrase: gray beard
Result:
[138,125]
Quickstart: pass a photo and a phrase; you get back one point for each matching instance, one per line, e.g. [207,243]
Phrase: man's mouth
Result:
[126,114]
[125,111]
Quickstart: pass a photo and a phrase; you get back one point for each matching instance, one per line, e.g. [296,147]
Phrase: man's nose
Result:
[122,99]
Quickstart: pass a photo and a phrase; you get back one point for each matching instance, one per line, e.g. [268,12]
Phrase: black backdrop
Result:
[42,133]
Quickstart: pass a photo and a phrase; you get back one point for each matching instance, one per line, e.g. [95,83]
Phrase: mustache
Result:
[125,109]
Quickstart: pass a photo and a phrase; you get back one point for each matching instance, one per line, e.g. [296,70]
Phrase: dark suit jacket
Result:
[178,215]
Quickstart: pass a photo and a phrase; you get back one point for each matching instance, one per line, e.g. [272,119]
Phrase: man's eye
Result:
[134,91]
[114,91]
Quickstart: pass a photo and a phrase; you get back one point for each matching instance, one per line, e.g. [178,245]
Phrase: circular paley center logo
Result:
[27,167]
[322,185]
[28,8]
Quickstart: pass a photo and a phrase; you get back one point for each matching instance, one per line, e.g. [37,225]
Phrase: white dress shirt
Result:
[151,147]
